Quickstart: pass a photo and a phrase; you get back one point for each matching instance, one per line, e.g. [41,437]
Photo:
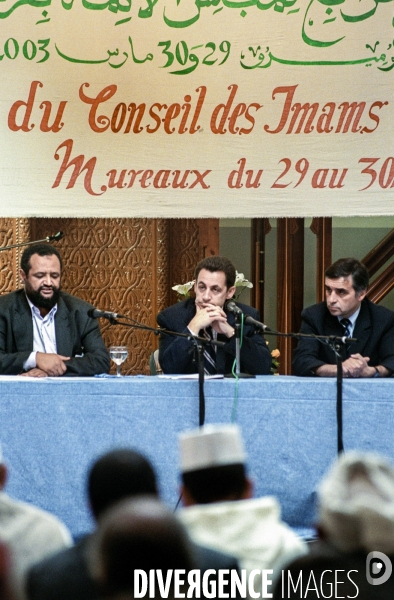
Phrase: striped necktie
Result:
[346,332]
[209,353]
[345,326]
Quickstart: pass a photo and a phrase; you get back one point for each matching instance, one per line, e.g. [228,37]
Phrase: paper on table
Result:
[190,376]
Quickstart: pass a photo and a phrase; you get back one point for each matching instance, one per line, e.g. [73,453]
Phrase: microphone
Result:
[55,238]
[257,324]
[232,307]
[348,340]
[95,313]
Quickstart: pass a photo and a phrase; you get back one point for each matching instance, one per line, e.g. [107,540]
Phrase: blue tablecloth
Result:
[52,429]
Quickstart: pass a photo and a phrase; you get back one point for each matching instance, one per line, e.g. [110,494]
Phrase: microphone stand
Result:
[335,343]
[338,359]
[237,329]
[50,238]
[199,343]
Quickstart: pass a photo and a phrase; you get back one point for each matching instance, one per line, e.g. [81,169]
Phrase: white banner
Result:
[205,108]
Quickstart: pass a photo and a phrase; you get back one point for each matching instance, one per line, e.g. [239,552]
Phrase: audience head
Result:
[217,263]
[212,462]
[137,533]
[356,504]
[119,474]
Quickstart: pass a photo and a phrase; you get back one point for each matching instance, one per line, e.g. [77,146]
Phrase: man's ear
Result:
[321,533]
[187,498]
[248,491]
[22,275]
[361,295]
[3,475]
[230,292]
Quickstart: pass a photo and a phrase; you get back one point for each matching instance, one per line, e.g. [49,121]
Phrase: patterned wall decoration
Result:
[12,231]
[185,252]
[162,265]
[7,257]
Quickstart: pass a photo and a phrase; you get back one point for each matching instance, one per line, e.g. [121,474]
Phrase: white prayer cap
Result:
[211,446]
[356,497]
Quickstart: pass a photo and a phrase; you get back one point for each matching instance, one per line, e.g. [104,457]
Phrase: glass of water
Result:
[118,354]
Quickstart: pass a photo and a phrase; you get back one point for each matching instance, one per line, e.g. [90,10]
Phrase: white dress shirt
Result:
[44,335]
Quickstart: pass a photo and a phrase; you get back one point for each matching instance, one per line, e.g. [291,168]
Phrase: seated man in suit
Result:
[116,475]
[206,315]
[347,312]
[44,331]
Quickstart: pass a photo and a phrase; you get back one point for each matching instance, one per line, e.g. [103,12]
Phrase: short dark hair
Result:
[344,267]
[216,484]
[138,533]
[119,474]
[217,263]
[41,250]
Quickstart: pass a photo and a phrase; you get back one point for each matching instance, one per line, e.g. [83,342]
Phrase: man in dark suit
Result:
[118,475]
[347,312]
[44,331]
[207,315]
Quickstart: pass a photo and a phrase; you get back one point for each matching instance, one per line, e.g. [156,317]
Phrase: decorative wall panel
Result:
[7,257]
[185,252]
[12,231]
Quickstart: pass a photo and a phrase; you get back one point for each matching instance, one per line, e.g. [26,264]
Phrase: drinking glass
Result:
[118,354]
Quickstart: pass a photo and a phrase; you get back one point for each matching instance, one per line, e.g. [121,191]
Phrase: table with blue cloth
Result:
[52,430]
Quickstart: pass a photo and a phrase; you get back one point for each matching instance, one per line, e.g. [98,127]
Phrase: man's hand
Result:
[35,373]
[52,364]
[210,315]
[357,366]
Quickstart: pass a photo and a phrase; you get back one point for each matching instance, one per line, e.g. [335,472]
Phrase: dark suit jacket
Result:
[176,354]
[76,334]
[374,331]
[63,576]
[66,576]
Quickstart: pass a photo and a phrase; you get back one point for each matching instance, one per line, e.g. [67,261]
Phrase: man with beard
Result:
[44,331]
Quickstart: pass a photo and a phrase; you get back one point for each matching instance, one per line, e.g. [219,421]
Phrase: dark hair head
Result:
[216,484]
[119,474]
[217,263]
[41,250]
[139,533]
[345,267]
